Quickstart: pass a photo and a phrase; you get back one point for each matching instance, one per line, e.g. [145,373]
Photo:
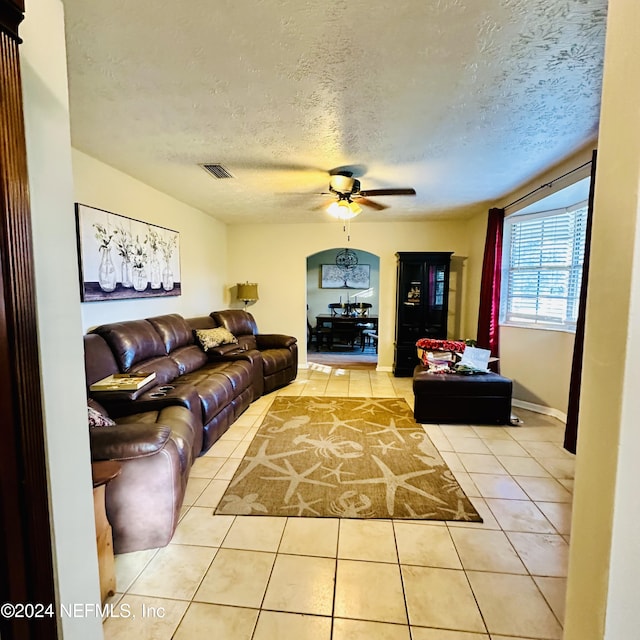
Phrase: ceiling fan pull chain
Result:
[346,228]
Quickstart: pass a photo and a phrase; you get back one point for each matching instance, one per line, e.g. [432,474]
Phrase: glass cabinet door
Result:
[436,276]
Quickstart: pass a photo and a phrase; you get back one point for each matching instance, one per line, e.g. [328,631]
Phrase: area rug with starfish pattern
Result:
[344,458]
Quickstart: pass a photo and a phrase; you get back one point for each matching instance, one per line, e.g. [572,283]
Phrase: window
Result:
[542,268]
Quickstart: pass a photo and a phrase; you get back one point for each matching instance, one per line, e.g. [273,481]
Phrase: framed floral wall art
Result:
[125,258]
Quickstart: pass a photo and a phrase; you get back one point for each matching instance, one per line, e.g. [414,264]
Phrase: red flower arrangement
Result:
[437,362]
[431,344]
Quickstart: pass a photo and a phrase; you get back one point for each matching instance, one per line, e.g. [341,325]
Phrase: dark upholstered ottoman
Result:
[483,398]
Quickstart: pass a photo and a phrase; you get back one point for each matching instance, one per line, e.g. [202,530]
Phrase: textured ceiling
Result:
[464,100]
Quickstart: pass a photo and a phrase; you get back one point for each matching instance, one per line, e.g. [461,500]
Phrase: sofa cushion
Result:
[173,330]
[213,387]
[240,374]
[216,393]
[132,342]
[164,367]
[210,338]
[188,358]
[202,322]
[238,321]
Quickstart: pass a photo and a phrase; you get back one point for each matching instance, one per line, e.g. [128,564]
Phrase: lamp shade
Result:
[247,291]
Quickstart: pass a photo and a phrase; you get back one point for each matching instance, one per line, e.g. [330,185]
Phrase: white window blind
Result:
[542,267]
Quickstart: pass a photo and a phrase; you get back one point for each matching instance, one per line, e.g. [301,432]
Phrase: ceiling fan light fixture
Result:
[343,209]
[355,208]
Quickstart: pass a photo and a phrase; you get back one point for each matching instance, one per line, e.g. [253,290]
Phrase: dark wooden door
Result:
[26,564]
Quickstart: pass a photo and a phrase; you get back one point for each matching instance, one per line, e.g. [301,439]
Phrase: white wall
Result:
[58,308]
[203,243]
[604,560]
[476,237]
[539,363]
[275,256]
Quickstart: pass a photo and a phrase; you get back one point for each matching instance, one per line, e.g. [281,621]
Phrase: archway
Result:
[351,278]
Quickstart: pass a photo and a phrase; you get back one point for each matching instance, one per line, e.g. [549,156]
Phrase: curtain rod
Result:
[547,184]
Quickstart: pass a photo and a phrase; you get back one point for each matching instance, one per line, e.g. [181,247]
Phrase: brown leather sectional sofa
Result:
[164,426]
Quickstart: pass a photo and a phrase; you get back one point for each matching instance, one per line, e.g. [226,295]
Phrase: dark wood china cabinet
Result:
[421,304]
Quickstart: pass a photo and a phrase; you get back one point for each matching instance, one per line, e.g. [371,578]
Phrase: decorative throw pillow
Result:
[211,338]
[97,419]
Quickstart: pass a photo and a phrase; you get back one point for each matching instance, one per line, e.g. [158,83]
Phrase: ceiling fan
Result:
[345,189]
[349,195]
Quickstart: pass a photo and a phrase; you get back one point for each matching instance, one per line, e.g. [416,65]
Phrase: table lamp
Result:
[247,292]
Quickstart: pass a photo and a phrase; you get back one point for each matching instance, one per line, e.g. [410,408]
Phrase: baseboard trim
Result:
[385,369]
[539,408]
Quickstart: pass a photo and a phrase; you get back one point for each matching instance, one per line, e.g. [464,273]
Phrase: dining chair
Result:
[361,308]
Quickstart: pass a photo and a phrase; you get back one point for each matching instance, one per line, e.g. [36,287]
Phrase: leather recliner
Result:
[279,352]
[162,427]
[155,446]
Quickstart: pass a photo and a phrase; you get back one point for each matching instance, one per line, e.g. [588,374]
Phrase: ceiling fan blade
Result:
[388,192]
[370,203]
[323,205]
[303,193]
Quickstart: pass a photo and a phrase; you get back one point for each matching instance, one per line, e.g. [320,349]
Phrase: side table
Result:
[102,473]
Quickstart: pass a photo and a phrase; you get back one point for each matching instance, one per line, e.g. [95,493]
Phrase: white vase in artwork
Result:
[167,278]
[155,278]
[106,271]
[126,273]
[140,280]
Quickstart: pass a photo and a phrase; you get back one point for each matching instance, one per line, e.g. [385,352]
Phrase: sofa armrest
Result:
[154,399]
[220,354]
[225,352]
[127,441]
[274,341]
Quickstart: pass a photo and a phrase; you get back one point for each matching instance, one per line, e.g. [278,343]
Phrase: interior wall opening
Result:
[343,292]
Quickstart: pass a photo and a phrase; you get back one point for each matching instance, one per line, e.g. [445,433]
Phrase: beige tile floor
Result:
[271,578]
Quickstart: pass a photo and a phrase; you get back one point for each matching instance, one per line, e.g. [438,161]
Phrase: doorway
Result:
[342,308]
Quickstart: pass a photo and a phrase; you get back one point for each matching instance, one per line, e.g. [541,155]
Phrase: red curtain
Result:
[489,313]
[573,408]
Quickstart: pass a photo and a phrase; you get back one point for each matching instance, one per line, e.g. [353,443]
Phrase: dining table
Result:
[343,329]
